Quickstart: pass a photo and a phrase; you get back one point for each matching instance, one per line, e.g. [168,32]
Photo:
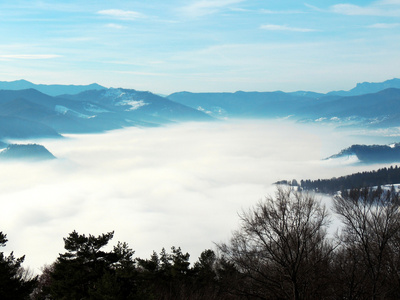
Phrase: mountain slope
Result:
[30,113]
[31,152]
[60,114]
[377,109]
[244,104]
[141,106]
[13,127]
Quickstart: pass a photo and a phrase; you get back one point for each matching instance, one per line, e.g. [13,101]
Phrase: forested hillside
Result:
[384,176]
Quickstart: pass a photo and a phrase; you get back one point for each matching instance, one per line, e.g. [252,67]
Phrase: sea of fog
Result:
[178,185]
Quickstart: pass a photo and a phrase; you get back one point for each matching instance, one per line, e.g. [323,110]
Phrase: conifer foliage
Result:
[86,271]
[15,282]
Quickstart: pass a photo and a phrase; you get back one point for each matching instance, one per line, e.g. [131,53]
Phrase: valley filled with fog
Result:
[176,185]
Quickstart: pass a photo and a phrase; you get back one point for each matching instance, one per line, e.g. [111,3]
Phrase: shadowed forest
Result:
[384,176]
[281,250]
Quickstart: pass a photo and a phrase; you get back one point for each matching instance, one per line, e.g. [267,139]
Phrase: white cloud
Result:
[380,8]
[143,73]
[180,185]
[276,12]
[205,7]
[384,25]
[285,28]
[114,26]
[351,9]
[388,2]
[384,8]
[29,56]
[121,14]
[313,7]
[238,9]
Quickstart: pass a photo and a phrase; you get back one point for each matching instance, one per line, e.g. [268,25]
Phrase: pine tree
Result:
[15,282]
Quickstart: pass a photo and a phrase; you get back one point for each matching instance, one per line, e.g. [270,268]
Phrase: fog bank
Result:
[179,185]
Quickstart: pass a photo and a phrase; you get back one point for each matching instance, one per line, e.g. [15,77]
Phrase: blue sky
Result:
[201,45]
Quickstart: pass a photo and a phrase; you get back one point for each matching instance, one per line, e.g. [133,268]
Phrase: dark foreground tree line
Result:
[384,176]
[280,251]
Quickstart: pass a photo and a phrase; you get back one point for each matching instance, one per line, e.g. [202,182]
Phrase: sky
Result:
[180,185]
[201,45]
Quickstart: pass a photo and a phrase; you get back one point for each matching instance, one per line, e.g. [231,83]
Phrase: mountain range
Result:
[378,109]
[49,89]
[369,88]
[30,110]
[30,113]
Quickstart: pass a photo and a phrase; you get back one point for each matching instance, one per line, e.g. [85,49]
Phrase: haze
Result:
[179,185]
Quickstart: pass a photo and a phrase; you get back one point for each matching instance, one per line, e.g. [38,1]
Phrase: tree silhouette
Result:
[86,271]
[281,250]
[15,282]
[370,242]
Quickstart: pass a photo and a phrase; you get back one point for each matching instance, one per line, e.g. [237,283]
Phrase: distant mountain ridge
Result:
[138,105]
[369,88]
[30,113]
[381,109]
[49,89]
[244,104]
[62,89]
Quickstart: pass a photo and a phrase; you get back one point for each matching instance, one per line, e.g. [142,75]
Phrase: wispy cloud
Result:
[352,10]
[389,2]
[206,7]
[267,11]
[29,56]
[313,7]
[273,27]
[382,8]
[121,14]
[239,9]
[387,8]
[114,26]
[142,73]
[384,25]
[280,12]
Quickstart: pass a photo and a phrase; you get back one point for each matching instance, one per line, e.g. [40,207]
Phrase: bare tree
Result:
[370,235]
[281,248]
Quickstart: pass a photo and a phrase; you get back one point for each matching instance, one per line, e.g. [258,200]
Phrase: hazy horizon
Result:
[190,91]
[201,45]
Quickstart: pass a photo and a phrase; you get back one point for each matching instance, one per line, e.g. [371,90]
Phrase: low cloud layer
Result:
[179,185]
